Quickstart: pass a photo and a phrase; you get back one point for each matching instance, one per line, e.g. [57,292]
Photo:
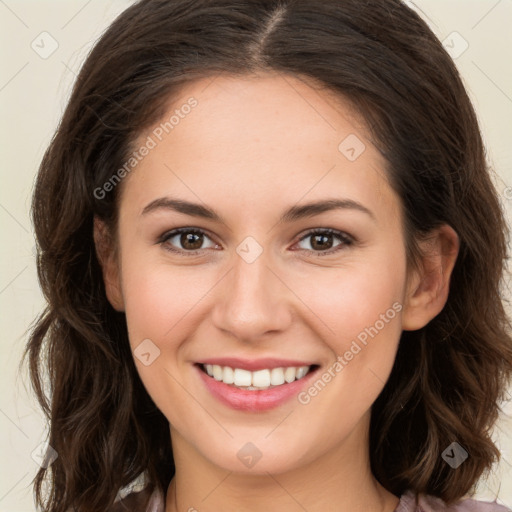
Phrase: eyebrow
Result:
[294,213]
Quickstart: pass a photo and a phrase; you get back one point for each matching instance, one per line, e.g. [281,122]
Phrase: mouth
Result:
[258,386]
[259,380]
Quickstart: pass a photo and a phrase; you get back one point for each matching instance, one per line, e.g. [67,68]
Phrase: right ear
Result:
[107,257]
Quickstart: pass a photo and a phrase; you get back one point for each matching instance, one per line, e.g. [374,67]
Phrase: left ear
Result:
[428,287]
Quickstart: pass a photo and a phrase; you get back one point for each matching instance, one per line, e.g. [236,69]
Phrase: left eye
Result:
[321,239]
[191,240]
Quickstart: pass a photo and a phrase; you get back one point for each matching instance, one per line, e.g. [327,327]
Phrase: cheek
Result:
[148,305]
[158,297]
[359,314]
[343,302]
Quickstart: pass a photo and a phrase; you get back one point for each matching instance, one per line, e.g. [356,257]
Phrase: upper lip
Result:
[254,364]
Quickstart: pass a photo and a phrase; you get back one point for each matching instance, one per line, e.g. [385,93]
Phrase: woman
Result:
[272,255]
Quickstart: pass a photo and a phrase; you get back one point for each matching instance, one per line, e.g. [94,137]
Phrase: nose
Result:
[254,300]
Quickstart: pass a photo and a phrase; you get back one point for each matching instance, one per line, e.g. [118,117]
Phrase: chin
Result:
[256,457]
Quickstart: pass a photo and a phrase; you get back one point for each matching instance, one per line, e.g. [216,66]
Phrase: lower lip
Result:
[254,401]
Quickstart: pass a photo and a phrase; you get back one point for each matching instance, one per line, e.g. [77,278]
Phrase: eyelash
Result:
[346,240]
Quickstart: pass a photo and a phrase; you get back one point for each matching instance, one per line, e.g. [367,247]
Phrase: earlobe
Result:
[106,254]
[428,287]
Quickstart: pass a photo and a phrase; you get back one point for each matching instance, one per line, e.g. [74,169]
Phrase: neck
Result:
[342,476]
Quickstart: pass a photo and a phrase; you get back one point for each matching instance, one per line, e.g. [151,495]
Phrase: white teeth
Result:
[301,372]
[260,379]
[217,372]
[228,375]
[276,376]
[242,377]
[289,374]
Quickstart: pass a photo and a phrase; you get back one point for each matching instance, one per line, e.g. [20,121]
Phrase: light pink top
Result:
[409,502]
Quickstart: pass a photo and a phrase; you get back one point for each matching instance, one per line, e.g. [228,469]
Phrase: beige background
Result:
[33,93]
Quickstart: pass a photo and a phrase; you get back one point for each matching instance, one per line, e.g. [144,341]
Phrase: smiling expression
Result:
[291,246]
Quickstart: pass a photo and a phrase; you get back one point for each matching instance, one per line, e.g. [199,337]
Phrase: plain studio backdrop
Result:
[43,46]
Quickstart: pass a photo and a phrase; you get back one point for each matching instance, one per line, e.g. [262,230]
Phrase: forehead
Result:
[252,110]
[271,138]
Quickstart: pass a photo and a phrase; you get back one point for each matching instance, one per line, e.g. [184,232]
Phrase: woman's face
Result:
[254,289]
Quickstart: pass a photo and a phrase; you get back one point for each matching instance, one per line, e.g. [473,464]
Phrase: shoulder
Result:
[411,502]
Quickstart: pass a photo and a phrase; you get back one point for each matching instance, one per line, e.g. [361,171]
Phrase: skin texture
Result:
[251,148]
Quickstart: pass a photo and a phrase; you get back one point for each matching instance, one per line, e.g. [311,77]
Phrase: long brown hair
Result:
[448,377]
